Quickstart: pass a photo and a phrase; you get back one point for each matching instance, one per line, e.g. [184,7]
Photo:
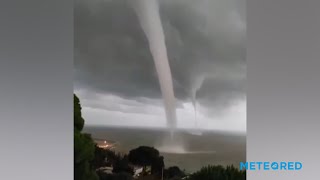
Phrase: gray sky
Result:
[115,76]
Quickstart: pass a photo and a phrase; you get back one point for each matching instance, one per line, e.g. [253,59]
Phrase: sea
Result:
[188,149]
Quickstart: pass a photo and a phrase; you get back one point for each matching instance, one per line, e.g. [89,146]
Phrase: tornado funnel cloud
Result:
[149,18]
[196,85]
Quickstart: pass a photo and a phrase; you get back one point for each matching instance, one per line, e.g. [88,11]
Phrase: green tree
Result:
[84,147]
[218,173]
[143,155]
[122,166]
[157,166]
[173,172]
[100,156]
[77,116]
[147,156]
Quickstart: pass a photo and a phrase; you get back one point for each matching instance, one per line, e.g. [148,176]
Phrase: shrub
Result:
[218,173]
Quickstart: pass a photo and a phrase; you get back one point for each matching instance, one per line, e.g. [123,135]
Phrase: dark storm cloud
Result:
[204,39]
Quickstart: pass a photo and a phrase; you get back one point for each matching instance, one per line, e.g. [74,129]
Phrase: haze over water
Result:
[191,152]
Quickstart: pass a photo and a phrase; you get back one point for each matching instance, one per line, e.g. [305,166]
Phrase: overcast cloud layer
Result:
[115,75]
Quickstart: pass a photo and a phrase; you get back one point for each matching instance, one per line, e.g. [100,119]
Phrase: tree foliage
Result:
[157,166]
[77,116]
[143,156]
[116,176]
[218,173]
[173,172]
[84,147]
[122,165]
[147,156]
